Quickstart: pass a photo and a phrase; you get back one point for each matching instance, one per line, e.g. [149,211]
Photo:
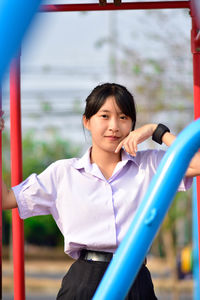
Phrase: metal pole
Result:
[195,252]
[111,6]
[16,178]
[196,75]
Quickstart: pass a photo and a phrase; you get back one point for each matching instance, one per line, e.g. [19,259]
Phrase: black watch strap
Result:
[159,132]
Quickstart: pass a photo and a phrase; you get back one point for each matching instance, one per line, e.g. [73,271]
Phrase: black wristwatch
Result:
[159,132]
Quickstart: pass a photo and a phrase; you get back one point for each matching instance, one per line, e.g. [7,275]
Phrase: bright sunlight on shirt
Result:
[91,212]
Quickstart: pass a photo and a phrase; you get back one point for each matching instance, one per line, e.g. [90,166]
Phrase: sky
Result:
[67,35]
[60,58]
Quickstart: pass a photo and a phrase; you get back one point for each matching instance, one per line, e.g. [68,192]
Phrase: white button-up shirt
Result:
[91,212]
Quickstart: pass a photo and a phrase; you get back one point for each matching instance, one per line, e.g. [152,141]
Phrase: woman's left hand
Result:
[2,123]
[136,137]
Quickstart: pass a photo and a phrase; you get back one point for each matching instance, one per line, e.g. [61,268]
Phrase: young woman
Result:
[93,199]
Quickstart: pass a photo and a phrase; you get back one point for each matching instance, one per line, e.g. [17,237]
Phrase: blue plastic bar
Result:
[0,198]
[15,17]
[129,256]
[196,291]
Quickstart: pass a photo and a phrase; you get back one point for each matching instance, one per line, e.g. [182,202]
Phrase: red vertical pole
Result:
[0,201]
[196,73]
[16,178]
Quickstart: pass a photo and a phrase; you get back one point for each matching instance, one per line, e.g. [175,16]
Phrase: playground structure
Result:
[17,20]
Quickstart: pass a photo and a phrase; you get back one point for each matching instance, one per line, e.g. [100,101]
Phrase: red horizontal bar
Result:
[111,6]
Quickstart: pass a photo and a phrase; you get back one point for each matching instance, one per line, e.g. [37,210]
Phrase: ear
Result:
[86,122]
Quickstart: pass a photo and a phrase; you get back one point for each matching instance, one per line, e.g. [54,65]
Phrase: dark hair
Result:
[122,96]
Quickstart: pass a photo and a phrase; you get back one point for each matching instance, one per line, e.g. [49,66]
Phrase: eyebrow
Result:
[106,110]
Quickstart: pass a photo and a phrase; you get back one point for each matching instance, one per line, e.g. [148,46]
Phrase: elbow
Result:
[8,200]
[192,172]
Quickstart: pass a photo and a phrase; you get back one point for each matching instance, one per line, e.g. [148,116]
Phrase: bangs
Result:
[123,98]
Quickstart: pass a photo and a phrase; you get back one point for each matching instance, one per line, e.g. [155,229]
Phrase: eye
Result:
[123,117]
[104,116]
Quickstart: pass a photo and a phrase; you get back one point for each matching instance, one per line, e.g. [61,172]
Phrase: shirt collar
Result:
[126,157]
[85,163]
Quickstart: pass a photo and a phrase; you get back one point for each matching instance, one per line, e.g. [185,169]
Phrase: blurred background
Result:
[64,56]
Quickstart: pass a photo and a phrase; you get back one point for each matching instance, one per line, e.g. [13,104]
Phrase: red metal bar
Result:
[16,178]
[0,200]
[111,6]
[196,28]
[195,11]
[197,39]
[196,75]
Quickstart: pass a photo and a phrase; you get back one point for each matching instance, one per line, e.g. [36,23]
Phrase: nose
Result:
[113,125]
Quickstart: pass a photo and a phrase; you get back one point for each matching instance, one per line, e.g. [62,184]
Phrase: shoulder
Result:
[150,157]
[59,167]
[63,164]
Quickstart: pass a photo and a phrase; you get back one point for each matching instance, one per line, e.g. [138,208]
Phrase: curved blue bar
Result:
[129,256]
[15,16]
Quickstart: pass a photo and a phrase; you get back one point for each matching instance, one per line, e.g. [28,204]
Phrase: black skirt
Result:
[83,278]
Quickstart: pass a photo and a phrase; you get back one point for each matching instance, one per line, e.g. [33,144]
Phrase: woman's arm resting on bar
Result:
[194,166]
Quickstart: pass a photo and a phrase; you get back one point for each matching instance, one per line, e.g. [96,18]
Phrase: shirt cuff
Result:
[23,209]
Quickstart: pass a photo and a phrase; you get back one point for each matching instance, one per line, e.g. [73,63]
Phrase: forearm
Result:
[168,138]
[8,198]
[194,166]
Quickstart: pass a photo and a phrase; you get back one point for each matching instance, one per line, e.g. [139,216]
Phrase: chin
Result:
[112,150]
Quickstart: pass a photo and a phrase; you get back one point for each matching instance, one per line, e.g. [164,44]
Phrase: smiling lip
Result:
[112,137]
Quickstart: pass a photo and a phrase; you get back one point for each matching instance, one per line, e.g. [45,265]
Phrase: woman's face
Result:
[108,127]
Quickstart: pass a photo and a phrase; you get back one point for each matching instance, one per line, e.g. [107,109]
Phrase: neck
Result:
[101,157]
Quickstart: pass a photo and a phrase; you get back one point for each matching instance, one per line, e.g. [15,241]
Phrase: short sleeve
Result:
[36,195]
[186,182]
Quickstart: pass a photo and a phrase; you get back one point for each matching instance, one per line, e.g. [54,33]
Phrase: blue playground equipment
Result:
[15,17]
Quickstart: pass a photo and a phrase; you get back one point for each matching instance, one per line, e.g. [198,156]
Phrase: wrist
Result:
[159,132]
[153,127]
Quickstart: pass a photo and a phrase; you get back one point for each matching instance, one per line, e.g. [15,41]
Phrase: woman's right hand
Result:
[136,137]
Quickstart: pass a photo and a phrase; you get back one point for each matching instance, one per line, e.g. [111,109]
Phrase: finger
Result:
[119,146]
[135,146]
[1,113]
[130,149]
